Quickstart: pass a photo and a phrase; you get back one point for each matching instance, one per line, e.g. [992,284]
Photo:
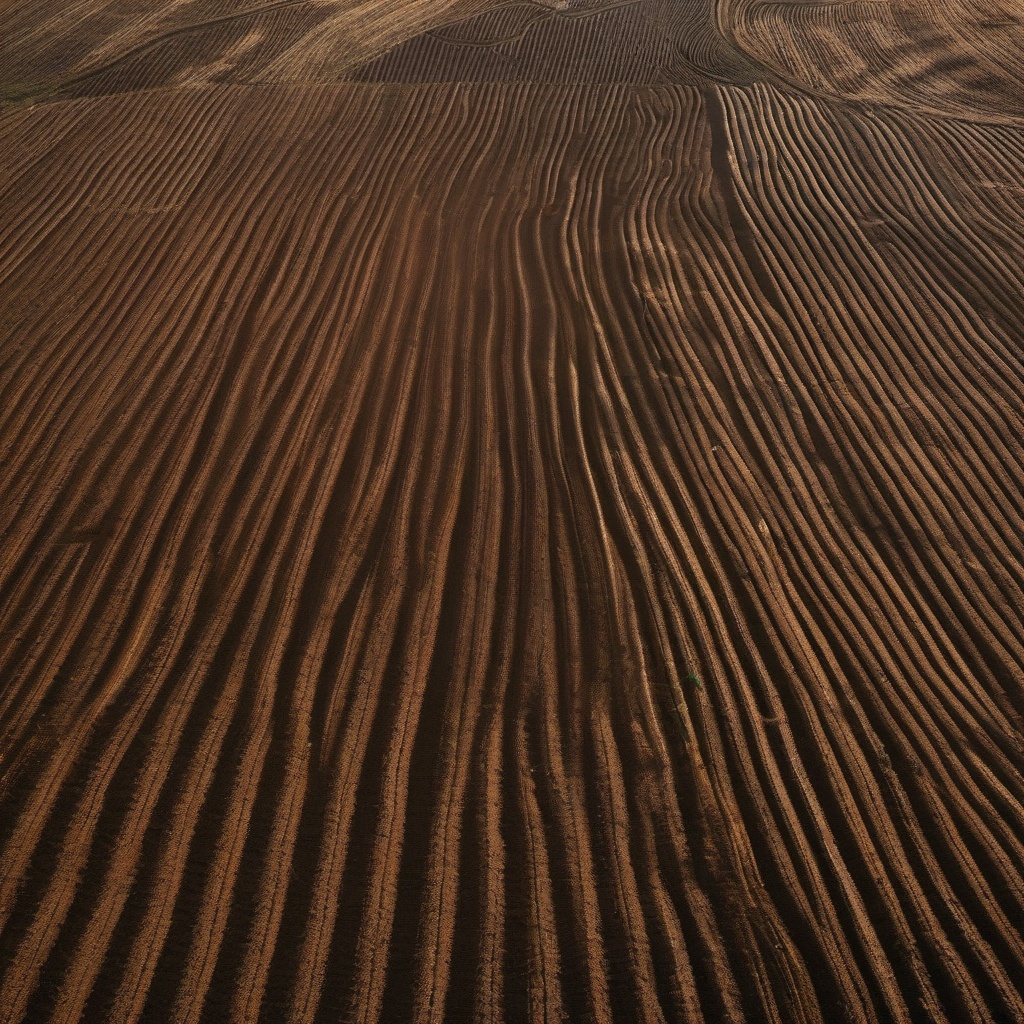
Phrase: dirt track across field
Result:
[511,512]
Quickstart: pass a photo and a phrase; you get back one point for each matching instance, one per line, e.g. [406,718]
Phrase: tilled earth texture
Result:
[511,512]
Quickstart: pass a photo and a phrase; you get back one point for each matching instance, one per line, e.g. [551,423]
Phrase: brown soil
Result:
[529,532]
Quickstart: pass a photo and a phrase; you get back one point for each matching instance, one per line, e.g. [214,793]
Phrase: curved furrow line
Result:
[966,486]
[546,788]
[565,731]
[633,448]
[476,550]
[259,956]
[545,784]
[121,317]
[484,998]
[422,422]
[776,945]
[619,611]
[297,438]
[127,846]
[371,463]
[621,463]
[651,504]
[146,532]
[522,951]
[651,526]
[411,667]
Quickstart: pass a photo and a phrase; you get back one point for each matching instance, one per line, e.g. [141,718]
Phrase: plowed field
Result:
[511,512]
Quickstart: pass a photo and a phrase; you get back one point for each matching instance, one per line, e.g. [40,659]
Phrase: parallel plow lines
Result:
[510,552]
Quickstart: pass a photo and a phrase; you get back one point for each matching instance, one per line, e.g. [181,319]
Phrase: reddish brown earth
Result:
[511,512]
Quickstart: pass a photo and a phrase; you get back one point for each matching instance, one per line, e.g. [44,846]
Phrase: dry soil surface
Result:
[511,511]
